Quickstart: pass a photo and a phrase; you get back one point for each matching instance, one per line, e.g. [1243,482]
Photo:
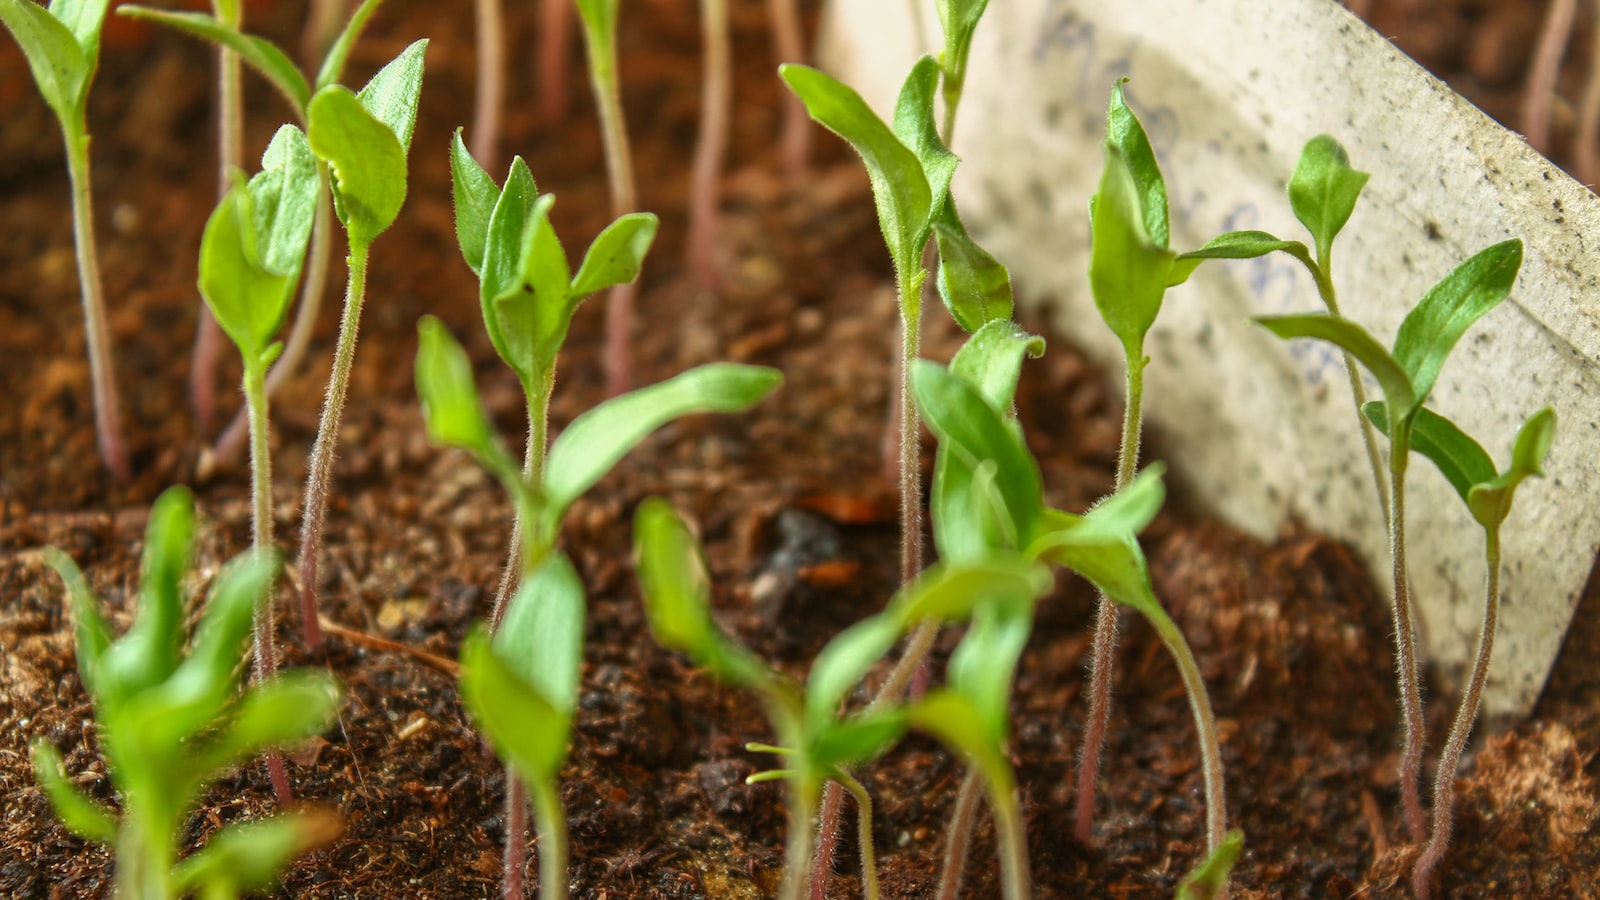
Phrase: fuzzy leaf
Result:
[249,856]
[915,127]
[83,815]
[1208,879]
[91,634]
[541,638]
[1432,328]
[85,19]
[596,440]
[616,255]
[1102,545]
[507,245]
[1124,132]
[391,96]
[1323,190]
[247,301]
[958,19]
[365,159]
[168,552]
[450,405]
[858,739]
[475,196]
[900,188]
[279,713]
[1128,268]
[991,361]
[260,53]
[1355,340]
[975,287]
[525,727]
[1490,502]
[284,195]
[842,663]
[55,57]
[1461,460]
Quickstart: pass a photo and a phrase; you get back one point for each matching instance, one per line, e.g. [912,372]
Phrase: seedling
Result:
[600,38]
[711,145]
[273,64]
[62,46]
[172,723]
[250,259]
[789,42]
[1487,495]
[1426,337]
[815,740]
[516,670]
[491,89]
[959,20]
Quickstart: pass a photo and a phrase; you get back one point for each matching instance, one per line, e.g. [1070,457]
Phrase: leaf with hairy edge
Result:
[1355,340]
[1323,190]
[1432,328]
[1124,132]
[450,406]
[525,728]
[915,128]
[991,361]
[1128,269]
[1460,459]
[617,254]
[365,159]
[56,59]
[476,197]
[1490,502]
[975,287]
[391,95]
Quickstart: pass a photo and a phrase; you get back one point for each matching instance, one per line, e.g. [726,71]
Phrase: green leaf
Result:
[284,711]
[616,255]
[1355,340]
[168,553]
[1323,190]
[953,720]
[1461,460]
[842,663]
[524,727]
[365,158]
[284,202]
[60,68]
[541,638]
[1102,545]
[1490,502]
[991,361]
[915,127]
[507,246]
[1208,879]
[1128,267]
[333,63]
[1449,308]
[857,740]
[950,592]
[899,186]
[959,19]
[450,406]
[249,856]
[391,96]
[1124,132]
[475,196]
[90,632]
[973,431]
[1232,245]
[975,287]
[85,19]
[240,293]
[83,815]
[984,664]
[596,440]
[260,53]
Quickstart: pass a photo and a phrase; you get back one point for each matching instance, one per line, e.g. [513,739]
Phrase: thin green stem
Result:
[797,843]
[869,860]
[958,843]
[1104,655]
[538,396]
[327,442]
[1205,724]
[255,399]
[1405,639]
[1444,783]
[144,858]
[1011,835]
[230,156]
[1320,273]
[552,823]
[602,50]
[102,378]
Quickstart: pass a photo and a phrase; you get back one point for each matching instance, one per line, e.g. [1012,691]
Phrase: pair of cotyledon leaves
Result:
[172,722]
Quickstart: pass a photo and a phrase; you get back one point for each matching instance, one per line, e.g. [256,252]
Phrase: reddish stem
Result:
[555,51]
[711,146]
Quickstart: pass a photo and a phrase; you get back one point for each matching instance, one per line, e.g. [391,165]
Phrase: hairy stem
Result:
[552,822]
[327,442]
[1205,725]
[266,654]
[910,422]
[602,50]
[797,843]
[788,45]
[869,860]
[555,21]
[490,100]
[1104,655]
[711,146]
[1405,639]
[1444,783]
[102,377]
[958,842]
[1322,274]
[538,397]
[1011,835]
[516,858]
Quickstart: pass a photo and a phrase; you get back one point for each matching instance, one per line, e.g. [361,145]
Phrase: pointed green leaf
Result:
[842,663]
[1233,245]
[541,638]
[616,255]
[1461,460]
[858,739]
[1490,502]
[991,360]
[1102,545]
[506,248]
[949,592]
[333,64]
[91,634]
[85,19]
[1432,328]
[249,856]
[284,203]
[915,127]
[975,287]
[596,440]
[522,725]
[60,69]
[959,19]
[391,96]
[475,195]
[168,554]
[450,406]
[899,186]
[1124,132]
[260,53]
[83,815]
[984,664]
[275,714]
[1211,876]
[365,159]
[1128,268]
[1355,340]
[248,302]
[1323,190]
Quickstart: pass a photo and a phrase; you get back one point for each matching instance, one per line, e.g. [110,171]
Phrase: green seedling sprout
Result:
[62,46]
[815,741]
[711,145]
[250,257]
[1426,337]
[172,722]
[1487,494]
[516,667]
[600,38]
[297,90]
[527,292]
[959,20]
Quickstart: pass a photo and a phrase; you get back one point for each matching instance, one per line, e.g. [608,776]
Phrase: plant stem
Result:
[797,843]
[619,171]
[1444,783]
[322,27]
[144,858]
[958,842]
[869,861]
[1011,835]
[788,44]
[305,320]
[516,858]
[491,57]
[265,666]
[1205,725]
[1321,273]
[711,145]
[552,822]
[555,21]
[538,396]
[102,379]
[1542,72]
[910,445]
[327,442]
[1405,638]
[1105,618]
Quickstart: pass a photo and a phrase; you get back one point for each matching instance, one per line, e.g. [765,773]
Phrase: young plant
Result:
[527,292]
[250,257]
[1407,375]
[600,38]
[817,743]
[297,90]
[62,46]
[1487,494]
[491,87]
[527,666]
[789,42]
[170,723]
[711,145]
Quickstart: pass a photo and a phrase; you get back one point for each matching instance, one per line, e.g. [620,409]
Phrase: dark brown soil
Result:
[1292,637]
